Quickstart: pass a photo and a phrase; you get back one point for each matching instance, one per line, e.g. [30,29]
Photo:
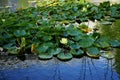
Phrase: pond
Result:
[84,68]
[76,69]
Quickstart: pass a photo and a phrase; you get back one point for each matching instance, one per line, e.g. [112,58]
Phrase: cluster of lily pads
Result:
[50,30]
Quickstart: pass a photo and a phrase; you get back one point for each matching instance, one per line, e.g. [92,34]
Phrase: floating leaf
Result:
[56,51]
[46,38]
[108,55]
[93,52]
[72,31]
[64,56]
[86,42]
[20,33]
[102,44]
[77,53]
[45,56]
[115,43]
[74,46]
[42,49]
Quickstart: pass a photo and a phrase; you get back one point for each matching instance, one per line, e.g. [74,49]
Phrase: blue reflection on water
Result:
[75,69]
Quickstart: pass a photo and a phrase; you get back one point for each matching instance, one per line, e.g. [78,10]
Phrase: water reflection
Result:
[12,5]
[76,69]
[113,31]
[117,61]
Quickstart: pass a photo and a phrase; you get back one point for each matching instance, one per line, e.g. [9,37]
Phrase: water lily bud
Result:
[64,41]
[3,20]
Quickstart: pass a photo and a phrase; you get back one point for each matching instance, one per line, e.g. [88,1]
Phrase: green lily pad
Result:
[73,32]
[115,43]
[77,53]
[42,49]
[102,44]
[56,51]
[20,33]
[46,38]
[45,56]
[93,52]
[74,46]
[86,42]
[108,55]
[64,56]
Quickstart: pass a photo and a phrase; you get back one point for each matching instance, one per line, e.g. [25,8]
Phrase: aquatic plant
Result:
[50,31]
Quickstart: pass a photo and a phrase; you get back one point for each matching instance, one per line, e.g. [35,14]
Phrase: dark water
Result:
[75,69]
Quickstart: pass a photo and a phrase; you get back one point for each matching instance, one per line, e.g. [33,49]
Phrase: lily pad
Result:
[93,52]
[115,43]
[102,44]
[86,42]
[75,46]
[45,56]
[77,53]
[56,51]
[108,55]
[42,49]
[20,33]
[64,56]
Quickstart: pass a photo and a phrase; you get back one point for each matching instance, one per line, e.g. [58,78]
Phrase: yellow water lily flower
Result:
[64,41]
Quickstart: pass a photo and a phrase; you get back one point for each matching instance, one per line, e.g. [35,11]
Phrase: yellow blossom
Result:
[64,41]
